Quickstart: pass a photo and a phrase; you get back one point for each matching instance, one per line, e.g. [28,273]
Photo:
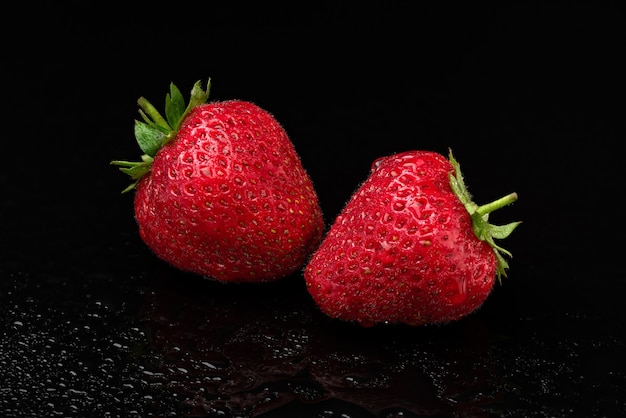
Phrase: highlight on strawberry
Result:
[220,189]
[410,246]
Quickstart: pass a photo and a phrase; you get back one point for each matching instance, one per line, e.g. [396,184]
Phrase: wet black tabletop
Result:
[93,324]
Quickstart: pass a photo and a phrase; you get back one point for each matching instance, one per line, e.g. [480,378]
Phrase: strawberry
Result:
[221,191]
[409,246]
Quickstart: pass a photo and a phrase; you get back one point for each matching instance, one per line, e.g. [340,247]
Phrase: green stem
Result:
[496,204]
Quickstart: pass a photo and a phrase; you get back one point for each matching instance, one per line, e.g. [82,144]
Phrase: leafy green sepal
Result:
[480,217]
[155,131]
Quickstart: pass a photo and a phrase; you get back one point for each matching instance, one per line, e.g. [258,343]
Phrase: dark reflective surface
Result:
[92,324]
[162,343]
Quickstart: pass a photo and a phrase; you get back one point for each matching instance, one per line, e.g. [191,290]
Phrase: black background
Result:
[528,95]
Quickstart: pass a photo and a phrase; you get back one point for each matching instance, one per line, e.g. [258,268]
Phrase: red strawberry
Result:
[221,190]
[409,246]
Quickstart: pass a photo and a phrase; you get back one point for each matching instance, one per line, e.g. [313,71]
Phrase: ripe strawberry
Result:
[409,246]
[221,191]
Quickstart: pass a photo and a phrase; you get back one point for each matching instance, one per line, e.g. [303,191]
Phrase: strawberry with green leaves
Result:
[221,191]
[409,246]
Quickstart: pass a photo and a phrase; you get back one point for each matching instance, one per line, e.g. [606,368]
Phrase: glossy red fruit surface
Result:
[228,198]
[403,249]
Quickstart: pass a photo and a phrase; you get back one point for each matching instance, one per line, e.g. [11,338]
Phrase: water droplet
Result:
[398,206]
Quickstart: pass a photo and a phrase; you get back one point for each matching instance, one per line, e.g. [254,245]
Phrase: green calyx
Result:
[155,131]
[480,217]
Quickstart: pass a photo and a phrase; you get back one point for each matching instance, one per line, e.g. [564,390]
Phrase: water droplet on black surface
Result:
[169,344]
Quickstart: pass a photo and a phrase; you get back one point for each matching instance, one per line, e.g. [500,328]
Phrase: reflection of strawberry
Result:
[221,191]
[409,247]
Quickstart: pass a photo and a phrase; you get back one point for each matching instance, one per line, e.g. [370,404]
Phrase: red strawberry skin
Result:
[228,198]
[403,249]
